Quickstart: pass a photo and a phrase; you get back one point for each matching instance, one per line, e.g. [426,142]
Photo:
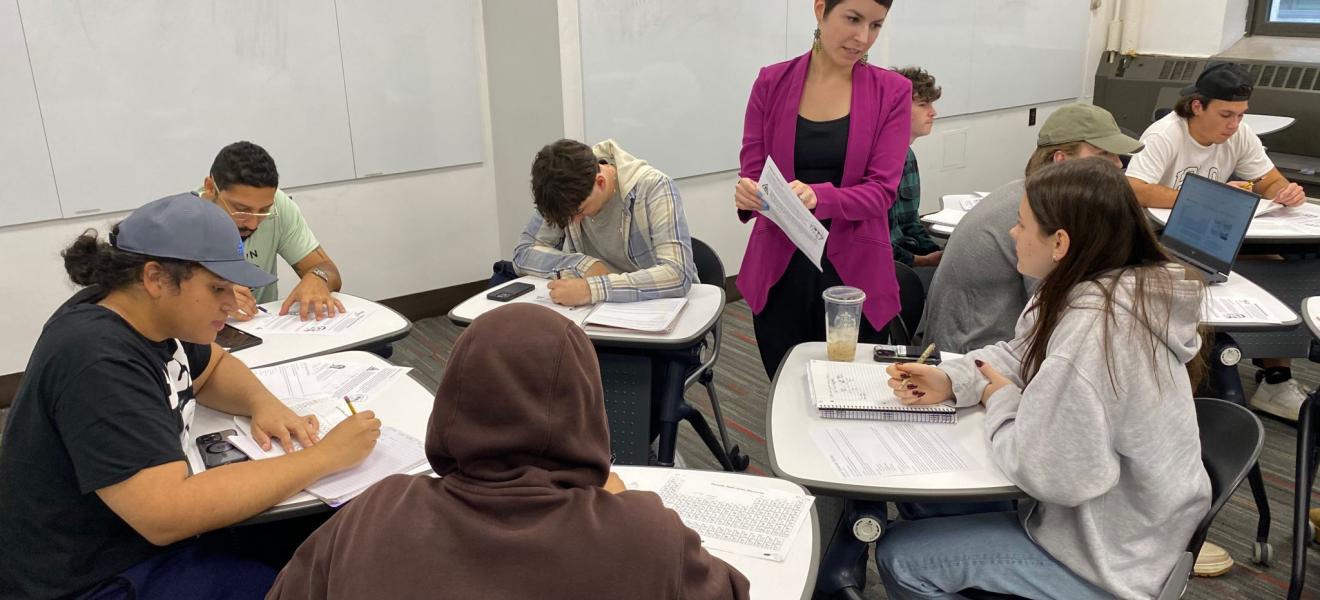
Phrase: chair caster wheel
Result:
[1262,553]
[738,459]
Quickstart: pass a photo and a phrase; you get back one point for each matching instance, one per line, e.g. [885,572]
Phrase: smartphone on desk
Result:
[216,449]
[511,291]
[886,353]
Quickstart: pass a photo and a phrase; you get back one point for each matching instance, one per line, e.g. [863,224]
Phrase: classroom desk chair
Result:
[1231,439]
[1308,454]
[911,302]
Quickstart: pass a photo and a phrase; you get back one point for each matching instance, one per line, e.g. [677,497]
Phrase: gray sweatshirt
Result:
[1111,455]
[977,293]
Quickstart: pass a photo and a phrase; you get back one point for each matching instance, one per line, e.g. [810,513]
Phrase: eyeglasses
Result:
[239,214]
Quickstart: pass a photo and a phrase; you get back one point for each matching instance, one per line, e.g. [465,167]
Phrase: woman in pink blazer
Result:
[837,128]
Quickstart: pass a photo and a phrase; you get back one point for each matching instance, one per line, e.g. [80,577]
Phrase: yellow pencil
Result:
[925,355]
[350,405]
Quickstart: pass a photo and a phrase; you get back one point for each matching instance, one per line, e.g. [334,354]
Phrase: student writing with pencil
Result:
[1088,410]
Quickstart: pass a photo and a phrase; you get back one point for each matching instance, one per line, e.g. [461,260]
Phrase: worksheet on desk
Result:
[272,322]
[334,379]
[884,449]
[743,519]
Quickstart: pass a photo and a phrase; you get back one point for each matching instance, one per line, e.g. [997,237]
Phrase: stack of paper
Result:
[1236,309]
[648,315]
[950,217]
[744,520]
[395,452]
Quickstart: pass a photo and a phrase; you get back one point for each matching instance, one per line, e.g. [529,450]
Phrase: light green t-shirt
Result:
[286,234]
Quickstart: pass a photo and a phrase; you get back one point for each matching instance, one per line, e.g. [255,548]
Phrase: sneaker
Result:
[1283,400]
[1213,561]
[1315,523]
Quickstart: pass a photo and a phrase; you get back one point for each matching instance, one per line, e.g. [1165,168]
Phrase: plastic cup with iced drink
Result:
[843,319]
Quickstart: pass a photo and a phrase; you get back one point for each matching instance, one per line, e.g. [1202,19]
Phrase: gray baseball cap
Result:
[1088,123]
[186,227]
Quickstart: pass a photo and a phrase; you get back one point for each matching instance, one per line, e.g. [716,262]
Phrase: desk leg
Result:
[668,397]
[842,571]
[1304,476]
[1227,383]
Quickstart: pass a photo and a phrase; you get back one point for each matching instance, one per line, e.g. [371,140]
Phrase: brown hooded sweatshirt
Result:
[518,433]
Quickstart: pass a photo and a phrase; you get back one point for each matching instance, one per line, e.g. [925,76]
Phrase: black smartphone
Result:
[511,291]
[216,449]
[233,339]
[896,354]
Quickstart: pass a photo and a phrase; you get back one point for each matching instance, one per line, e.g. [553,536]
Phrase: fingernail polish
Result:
[918,394]
[979,364]
[911,386]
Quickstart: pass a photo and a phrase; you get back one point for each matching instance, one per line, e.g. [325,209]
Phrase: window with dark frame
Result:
[1296,18]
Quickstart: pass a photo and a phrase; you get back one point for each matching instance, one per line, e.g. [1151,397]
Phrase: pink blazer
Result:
[878,132]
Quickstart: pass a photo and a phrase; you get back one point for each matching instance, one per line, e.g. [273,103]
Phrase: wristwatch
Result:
[319,272]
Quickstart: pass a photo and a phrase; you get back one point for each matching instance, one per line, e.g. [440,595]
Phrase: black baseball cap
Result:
[1222,81]
[185,227]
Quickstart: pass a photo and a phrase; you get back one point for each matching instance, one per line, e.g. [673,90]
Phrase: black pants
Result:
[795,312]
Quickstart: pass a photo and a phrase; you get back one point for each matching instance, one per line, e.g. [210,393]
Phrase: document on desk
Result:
[1300,220]
[541,297]
[1230,309]
[648,315]
[950,217]
[744,520]
[395,452]
[787,211]
[328,411]
[272,322]
[313,378]
[860,451]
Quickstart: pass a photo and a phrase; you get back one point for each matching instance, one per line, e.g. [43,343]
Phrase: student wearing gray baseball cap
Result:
[96,492]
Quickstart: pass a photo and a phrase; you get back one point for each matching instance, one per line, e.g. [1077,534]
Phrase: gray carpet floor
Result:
[743,389]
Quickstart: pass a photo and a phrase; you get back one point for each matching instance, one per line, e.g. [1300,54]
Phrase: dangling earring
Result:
[815,43]
[865,57]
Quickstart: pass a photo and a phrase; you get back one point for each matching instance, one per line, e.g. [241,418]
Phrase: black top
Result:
[819,150]
[98,403]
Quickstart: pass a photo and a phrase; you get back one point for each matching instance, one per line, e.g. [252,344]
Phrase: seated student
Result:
[523,508]
[243,181]
[977,293]
[1205,135]
[912,245]
[1088,410]
[95,491]
[609,226]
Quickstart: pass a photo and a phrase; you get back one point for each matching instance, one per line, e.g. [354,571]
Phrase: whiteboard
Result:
[29,185]
[669,79]
[137,96]
[411,77]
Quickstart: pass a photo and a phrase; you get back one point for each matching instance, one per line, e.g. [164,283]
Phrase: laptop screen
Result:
[1209,221]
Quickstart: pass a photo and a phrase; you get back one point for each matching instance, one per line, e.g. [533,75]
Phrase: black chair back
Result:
[1231,439]
[1160,113]
[912,302]
[710,270]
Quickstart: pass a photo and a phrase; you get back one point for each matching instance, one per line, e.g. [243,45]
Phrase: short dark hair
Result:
[923,84]
[563,175]
[90,261]
[244,163]
[830,4]
[1184,105]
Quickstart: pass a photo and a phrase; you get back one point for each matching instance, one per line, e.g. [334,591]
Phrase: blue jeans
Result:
[938,557]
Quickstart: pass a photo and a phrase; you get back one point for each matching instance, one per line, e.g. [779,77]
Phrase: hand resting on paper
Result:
[919,384]
[350,442]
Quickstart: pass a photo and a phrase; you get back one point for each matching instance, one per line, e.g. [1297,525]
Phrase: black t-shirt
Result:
[819,150]
[98,403]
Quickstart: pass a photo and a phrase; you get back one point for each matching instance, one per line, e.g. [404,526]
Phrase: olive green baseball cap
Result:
[1086,123]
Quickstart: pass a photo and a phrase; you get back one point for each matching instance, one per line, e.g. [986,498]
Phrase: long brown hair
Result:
[1109,237]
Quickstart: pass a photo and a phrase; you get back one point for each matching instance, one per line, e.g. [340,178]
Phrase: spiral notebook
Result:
[844,390]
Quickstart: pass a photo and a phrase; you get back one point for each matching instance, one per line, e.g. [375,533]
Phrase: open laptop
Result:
[1207,225]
